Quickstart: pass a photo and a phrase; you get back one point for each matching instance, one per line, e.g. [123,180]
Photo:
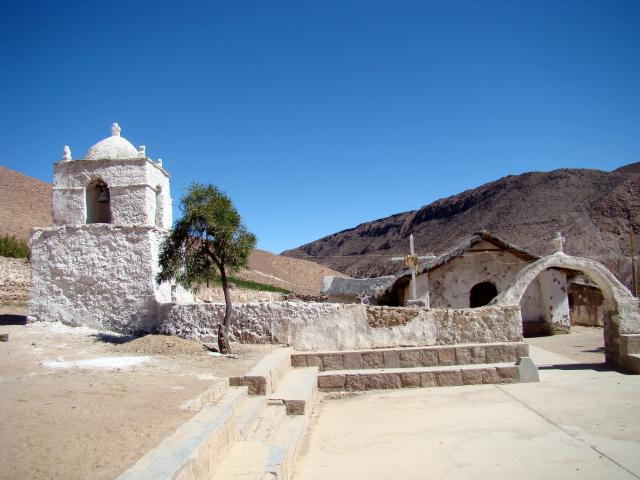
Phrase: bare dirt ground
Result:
[72,408]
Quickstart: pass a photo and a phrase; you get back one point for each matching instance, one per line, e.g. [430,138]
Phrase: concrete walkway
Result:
[581,421]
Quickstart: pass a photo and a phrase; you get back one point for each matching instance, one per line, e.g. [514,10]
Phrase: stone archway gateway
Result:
[622,310]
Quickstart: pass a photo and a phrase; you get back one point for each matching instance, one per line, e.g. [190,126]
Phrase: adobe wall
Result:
[326,326]
[98,275]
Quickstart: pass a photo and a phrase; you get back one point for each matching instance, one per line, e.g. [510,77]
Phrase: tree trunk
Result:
[223,329]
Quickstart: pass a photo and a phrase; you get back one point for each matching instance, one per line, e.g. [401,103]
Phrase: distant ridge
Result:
[595,210]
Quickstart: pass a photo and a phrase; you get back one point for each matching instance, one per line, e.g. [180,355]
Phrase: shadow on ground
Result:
[597,367]
[114,338]
[9,319]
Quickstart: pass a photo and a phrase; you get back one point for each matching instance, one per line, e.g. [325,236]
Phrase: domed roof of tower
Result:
[114,147]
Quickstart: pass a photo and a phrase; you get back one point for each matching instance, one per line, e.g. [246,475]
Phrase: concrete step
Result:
[248,415]
[264,377]
[269,453]
[197,447]
[410,357]
[442,376]
[271,442]
[297,390]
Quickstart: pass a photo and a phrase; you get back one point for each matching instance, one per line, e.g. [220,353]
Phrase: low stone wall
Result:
[327,326]
[15,278]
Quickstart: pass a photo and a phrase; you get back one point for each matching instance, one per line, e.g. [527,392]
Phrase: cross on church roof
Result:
[413,261]
[558,242]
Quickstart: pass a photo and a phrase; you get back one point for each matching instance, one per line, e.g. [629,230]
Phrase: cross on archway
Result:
[412,261]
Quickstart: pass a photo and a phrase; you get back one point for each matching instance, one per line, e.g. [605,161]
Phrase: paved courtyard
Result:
[581,421]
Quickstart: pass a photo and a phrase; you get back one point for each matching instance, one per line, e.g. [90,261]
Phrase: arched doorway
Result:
[622,310]
[481,294]
[98,200]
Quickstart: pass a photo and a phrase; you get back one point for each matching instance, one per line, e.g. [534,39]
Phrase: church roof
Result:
[466,245]
[114,147]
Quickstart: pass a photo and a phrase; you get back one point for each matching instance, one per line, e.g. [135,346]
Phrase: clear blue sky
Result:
[317,116]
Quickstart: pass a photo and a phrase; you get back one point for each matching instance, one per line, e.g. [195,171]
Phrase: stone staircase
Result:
[435,366]
[252,429]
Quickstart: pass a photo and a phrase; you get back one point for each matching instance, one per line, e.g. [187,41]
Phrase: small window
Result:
[98,203]
[481,294]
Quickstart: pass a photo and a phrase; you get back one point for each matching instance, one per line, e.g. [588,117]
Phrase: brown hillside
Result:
[24,203]
[595,210]
[300,276]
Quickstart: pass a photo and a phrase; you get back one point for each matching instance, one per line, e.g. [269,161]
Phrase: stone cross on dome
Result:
[115,129]
[412,261]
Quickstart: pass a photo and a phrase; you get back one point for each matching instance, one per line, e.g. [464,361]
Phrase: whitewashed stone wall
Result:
[322,326]
[554,300]
[132,187]
[97,275]
[14,279]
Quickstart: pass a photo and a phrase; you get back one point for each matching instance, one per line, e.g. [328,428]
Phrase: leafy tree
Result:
[208,240]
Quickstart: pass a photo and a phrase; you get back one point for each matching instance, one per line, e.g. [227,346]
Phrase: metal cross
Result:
[412,261]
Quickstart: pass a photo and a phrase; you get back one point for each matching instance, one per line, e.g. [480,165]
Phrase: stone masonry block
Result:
[490,376]
[373,381]
[449,378]
[298,361]
[295,407]
[314,361]
[507,374]
[428,379]
[391,359]
[409,358]
[630,344]
[522,350]
[463,356]
[510,353]
[495,354]
[372,360]
[478,355]
[257,385]
[410,379]
[472,377]
[352,360]
[332,362]
[447,356]
[331,381]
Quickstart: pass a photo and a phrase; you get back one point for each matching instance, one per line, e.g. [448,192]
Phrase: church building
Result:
[96,265]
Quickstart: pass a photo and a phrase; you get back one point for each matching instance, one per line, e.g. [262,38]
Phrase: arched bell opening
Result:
[98,199]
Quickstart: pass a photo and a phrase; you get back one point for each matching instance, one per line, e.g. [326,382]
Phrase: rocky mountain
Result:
[594,210]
